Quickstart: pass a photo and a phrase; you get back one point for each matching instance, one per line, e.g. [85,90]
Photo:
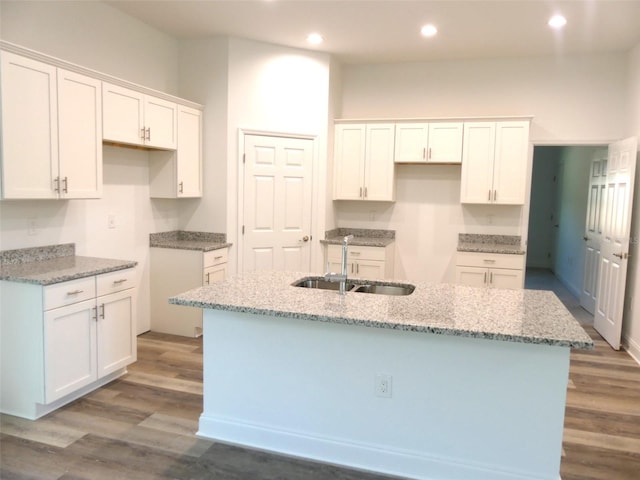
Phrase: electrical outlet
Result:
[111,221]
[383,384]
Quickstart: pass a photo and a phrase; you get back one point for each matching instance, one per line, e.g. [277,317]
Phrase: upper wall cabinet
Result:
[51,130]
[436,142]
[494,165]
[135,118]
[179,174]
[363,162]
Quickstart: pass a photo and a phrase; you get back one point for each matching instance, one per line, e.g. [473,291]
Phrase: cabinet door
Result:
[122,115]
[411,142]
[116,335]
[349,157]
[445,142]
[189,167]
[503,278]
[214,274]
[476,185]
[472,276]
[369,269]
[510,164]
[29,128]
[79,135]
[379,183]
[161,123]
[70,354]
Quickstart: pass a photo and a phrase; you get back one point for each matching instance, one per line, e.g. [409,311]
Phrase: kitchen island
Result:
[449,382]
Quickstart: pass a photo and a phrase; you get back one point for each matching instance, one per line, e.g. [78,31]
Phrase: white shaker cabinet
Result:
[175,271]
[494,165]
[435,142]
[51,130]
[363,162]
[66,339]
[134,118]
[362,261]
[490,270]
[179,174]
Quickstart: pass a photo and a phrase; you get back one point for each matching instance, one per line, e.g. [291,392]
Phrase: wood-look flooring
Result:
[142,426]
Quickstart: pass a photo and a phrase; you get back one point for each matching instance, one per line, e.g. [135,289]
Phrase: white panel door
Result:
[116,336]
[277,203]
[504,278]
[122,114]
[80,135]
[189,167]
[379,178]
[445,142]
[472,276]
[477,162]
[411,142]
[349,161]
[618,203]
[29,128]
[161,123]
[593,233]
[510,163]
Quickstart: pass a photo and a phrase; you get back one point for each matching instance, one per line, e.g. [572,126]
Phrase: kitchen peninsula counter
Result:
[448,382]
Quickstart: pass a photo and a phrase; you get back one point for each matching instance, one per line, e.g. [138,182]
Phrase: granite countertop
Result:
[54,264]
[509,244]
[525,316]
[184,240]
[362,237]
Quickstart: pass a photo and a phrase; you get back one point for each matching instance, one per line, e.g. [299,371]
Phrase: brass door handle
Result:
[619,255]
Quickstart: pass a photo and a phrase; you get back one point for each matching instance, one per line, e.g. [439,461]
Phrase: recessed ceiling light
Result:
[315,38]
[428,30]
[557,21]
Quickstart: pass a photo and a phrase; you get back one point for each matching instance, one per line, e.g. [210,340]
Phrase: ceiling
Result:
[382,31]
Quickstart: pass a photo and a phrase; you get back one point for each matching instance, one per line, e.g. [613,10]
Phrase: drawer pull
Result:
[118,282]
[75,292]
[218,257]
[355,253]
[488,260]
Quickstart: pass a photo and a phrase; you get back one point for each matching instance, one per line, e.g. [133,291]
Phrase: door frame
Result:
[315,201]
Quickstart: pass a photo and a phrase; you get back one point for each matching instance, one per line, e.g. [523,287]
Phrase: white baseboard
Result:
[632,347]
[359,456]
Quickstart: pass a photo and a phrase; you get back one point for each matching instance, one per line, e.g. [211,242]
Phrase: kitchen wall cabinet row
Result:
[55,120]
[68,339]
[493,154]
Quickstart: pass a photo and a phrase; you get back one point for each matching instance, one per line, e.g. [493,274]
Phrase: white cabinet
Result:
[175,271]
[51,130]
[490,270]
[435,142]
[134,118]
[494,165]
[363,162]
[179,174]
[362,261]
[63,340]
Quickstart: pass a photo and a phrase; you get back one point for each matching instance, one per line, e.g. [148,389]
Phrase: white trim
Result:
[433,119]
[242,133]
[57,62]
[631,347]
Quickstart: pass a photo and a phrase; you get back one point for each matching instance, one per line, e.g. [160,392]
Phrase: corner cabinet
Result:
[51,130]
[134,118]
[362,261]
[363,162]
[175,271]
[494,270]
[66,339]
[435,142]
[179,174]
[494,162]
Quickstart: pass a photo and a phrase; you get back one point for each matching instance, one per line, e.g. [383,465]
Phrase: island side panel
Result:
[460,407]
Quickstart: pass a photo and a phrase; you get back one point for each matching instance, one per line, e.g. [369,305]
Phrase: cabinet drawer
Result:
[490,260]
[116,281]
[215,257]
[66,293]
[355,252]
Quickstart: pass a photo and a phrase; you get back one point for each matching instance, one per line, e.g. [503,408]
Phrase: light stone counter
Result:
[525,316]
[184,240]
[362,237]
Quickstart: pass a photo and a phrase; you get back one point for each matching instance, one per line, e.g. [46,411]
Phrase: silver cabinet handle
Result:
[491,277]
[65,183]
[489,197]
[360,192]
[424,153]
[488,260]
[429,153]
[75,292]
[208,279]
[495,195]
[143,132]
[95,313]
[365,192]
[148,133]
[354,252]
[56,182]
[102,311]
[220,256]
[181,187]
[485,278]
[118,282]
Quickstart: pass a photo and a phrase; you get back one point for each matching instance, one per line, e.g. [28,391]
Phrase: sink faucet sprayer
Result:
[342,277]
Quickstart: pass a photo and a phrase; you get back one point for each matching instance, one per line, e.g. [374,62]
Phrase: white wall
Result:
[631,326]
[573,101]
[95,35]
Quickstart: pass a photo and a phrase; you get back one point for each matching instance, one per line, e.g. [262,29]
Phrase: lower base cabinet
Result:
[362,261]
[175,271]
[64,340]
[490,270]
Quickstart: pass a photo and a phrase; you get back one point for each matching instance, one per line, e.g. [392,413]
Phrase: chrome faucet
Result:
[341,277]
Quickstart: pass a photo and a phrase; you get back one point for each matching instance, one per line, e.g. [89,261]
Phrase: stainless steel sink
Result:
[357,286]
[386,289]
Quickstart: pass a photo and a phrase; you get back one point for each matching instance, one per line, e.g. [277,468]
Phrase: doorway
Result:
[558,214]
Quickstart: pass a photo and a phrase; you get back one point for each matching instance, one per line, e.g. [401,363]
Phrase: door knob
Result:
[305,238]
[586,239]
[619,255]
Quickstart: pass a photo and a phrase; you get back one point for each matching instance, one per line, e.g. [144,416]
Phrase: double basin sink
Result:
[360,286]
